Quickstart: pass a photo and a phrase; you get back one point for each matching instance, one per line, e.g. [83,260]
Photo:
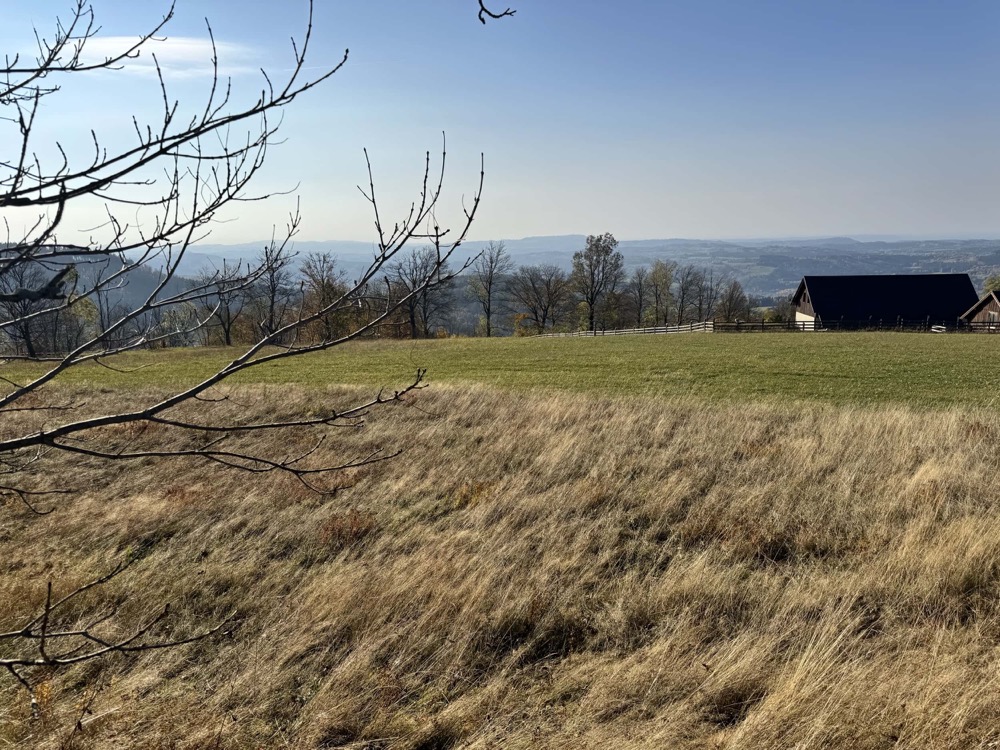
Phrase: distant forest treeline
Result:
[487,294]
[766,268]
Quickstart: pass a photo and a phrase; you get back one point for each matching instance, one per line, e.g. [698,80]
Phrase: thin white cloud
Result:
[178,56]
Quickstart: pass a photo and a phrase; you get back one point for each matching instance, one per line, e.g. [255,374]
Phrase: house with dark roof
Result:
[889,300]
[985,314]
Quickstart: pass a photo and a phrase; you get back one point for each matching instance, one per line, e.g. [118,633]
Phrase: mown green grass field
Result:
[923,370]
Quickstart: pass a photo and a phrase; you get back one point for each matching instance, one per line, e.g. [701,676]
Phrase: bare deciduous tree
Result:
[226,305]
[488,270]
[661,278]
[322,283]
[160,194]
[733,303]
[638,292]
[542,292]
[272,296]
[26,293]
[111,305]
[687,280]
[597,270]
[425,305]
[707,287]
[780,312]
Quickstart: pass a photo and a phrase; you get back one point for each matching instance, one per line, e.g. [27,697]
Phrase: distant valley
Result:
[765,267]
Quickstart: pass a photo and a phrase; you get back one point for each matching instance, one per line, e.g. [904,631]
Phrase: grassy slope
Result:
[918,369]
[558,569]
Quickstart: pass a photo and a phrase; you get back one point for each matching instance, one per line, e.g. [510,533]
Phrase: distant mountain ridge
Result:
[765,267]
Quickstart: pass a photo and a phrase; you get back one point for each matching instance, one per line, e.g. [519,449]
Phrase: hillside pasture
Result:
[767,541]
[922,370]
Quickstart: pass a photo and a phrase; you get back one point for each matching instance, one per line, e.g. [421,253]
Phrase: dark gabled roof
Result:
[974,310]
[938,296]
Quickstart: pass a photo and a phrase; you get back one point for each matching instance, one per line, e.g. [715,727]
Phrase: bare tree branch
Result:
[53,289]
[76,296]
[41,643]
[484,12]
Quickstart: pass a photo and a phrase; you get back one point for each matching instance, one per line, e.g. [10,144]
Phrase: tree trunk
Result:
[29,345]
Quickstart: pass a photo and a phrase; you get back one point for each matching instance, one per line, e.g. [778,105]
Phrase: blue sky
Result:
[694,118]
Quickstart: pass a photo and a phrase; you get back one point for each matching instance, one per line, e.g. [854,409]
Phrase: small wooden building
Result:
[985,314]
[884,301]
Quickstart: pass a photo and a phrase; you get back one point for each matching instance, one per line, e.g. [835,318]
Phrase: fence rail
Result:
[704,327]
[983,327]
[760,326]
[795,325]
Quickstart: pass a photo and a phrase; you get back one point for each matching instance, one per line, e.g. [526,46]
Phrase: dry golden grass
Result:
[546,571]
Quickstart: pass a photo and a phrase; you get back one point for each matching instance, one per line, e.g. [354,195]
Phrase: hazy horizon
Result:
[859,237]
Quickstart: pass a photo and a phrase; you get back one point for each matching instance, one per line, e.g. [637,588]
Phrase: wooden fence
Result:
[795,325]
[762,327]
[899,324]
[983,327]
[705,327]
